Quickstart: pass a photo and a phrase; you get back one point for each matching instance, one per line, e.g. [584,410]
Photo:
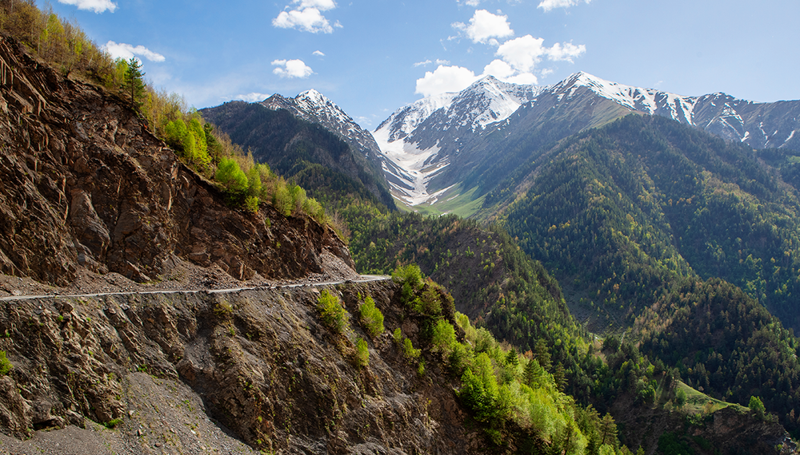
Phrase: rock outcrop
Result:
[257,363]
[84,184]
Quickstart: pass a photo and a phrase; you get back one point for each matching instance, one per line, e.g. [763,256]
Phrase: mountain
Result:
[421,140]
[314,107]
[308,139]
[447,152]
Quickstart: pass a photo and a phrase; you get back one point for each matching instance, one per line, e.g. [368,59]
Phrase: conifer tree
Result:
[133,82]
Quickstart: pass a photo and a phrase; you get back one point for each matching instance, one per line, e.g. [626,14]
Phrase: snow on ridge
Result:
[416,169]
[680,107]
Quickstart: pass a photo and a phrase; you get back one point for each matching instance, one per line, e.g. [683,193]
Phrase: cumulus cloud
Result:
[128,51]
[318,53]
[566,51]
[307,20]
[445,79]
[322,5]
[98,6]
[252,97]
[525,52]
[292,69]
[547,5]
[306,16]
[485,27]
[517,62]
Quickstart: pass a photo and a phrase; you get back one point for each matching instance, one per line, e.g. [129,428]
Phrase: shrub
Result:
[5,364]
[362,353]
[757,406]
[680,398]
[230,175]
[371,317]
[409,350]
[332,312]
[251,203]
[444,337]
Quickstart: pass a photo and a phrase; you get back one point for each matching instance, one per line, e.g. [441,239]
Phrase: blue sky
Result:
[374,56]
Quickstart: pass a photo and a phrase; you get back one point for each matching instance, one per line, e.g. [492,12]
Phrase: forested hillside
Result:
[306,152]
[623,211]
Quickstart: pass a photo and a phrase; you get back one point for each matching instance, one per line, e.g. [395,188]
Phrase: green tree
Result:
[133,82]
[757,406]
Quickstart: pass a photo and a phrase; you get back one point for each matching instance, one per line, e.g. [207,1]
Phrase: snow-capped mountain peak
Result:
[650,101]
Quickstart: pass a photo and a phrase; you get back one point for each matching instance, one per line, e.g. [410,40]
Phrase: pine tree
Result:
[133,82]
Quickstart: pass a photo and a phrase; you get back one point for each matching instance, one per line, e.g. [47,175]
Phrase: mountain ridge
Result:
[421,140]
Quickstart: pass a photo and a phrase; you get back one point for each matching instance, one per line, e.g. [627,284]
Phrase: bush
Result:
[230,175]
[5,364]
[680,398]
[362,353]
[371,317]
[409,350]
[757,406]
[332,312]
[251,203]
[444,337]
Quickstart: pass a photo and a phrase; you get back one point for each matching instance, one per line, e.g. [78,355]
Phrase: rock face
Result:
[260,363]
[83,183]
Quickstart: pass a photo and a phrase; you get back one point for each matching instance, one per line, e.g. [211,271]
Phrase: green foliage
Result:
[757,406]
[332,312]
[362,353]
[409,350]
[230,175]
[133,82]
[728,344]
[111,424]
[680,398]
[444,337]
[371,317]
[251,203]
[672,444]
[5,364]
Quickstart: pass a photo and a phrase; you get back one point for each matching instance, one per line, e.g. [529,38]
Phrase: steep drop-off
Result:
[260,364]
[84,184]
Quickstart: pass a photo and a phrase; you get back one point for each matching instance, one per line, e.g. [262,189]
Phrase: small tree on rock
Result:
[133,82]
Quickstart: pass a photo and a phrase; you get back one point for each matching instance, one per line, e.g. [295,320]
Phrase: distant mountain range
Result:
[439,148]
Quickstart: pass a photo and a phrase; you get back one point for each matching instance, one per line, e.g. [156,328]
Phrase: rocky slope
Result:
[84,184]
[258,365]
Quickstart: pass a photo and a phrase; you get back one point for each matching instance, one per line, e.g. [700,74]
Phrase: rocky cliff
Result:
[85,186]
[194,372]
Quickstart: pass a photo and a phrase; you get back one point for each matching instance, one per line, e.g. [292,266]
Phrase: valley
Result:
[578,268]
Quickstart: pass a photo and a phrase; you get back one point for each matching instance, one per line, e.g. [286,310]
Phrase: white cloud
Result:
[98,6]
[253,97]
[471,2]
[485,26]
[322,5]
[423,63]
[128,51]
[306,16]
[307,20]
[566,51]
[525,52]
[292,68]
[547,5]
[499,69]
[522,53]
[318,53]
[445,79]
[442,62]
